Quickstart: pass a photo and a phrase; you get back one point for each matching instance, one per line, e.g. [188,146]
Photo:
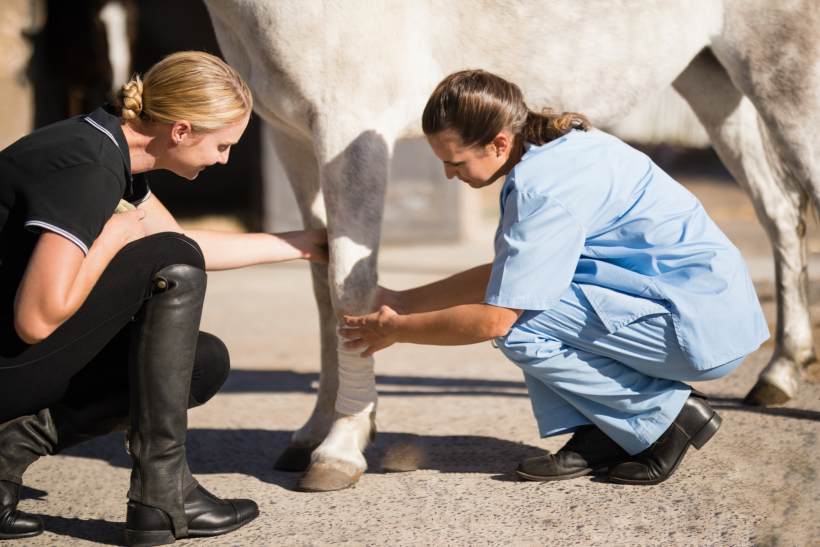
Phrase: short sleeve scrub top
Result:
[628,287]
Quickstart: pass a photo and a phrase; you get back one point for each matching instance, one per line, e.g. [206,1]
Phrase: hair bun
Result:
[129,99]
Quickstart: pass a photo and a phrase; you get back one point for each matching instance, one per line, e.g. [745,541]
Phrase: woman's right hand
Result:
[391,299]
[123,228]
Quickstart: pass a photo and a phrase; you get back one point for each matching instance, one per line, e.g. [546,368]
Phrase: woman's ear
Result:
[180,131]
[502,144]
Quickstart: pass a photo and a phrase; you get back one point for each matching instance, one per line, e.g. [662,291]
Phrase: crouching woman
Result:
[100,312]
[610,285]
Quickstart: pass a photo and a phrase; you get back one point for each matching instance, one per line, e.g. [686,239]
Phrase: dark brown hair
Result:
[477,105]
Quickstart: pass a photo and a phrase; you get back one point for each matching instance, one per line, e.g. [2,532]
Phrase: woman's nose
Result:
[450,172]
[223,158]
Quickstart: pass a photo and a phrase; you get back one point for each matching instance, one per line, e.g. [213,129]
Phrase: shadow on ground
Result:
[288,381]
[253,451]
[96,530]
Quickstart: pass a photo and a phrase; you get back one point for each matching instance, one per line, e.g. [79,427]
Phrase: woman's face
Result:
[194,152]
[478,167]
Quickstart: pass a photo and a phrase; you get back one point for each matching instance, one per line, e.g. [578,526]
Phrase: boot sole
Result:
[21,536]
[148,538]
[587,471]
[152,538]
[537,478]
[698,440]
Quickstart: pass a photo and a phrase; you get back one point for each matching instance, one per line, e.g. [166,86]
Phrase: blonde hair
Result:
[477,105]
[189,85]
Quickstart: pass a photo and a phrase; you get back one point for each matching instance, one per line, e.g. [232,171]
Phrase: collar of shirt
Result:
[105,120]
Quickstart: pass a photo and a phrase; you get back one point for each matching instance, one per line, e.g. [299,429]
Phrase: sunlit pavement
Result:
[466,411]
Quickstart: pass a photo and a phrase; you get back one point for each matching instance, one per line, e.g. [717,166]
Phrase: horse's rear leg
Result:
[353,179]
[299,161]
[745,146]
[777,66]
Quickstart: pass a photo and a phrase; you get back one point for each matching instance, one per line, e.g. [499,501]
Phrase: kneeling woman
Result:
[610,286]
[100,312]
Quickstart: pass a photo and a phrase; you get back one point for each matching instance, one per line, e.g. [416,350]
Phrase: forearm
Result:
[457,326]
[226,250]
[468,287]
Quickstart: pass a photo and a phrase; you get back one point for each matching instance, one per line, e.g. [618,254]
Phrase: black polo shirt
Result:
[67,178]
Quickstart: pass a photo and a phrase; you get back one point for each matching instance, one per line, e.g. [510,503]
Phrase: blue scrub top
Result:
[588,208]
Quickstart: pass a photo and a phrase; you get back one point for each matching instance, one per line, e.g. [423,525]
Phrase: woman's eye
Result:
[223,148]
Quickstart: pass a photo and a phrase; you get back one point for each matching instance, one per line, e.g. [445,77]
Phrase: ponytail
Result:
[541,128]
[477,105]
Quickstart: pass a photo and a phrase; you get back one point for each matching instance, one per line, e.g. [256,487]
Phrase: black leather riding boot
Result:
[165,499]
[22,441]
[15,524]
[588,450]
[161,358]
[695,425]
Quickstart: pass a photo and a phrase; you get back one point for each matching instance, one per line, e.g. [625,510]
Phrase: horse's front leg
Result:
[299,161]
[353,176]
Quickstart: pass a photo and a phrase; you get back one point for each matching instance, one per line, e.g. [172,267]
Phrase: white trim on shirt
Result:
[103,129]
[68,235]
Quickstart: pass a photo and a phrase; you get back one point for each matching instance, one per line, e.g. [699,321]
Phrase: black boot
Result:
[695,425]
[15,524]
[163,345]
[588,450]
[22,441]
[207,515]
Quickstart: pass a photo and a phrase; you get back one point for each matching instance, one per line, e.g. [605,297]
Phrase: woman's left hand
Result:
[376,331]
[314,245]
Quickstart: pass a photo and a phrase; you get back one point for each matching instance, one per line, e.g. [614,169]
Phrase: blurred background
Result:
[62,58]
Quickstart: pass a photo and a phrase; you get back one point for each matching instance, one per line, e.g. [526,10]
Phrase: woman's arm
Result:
[59,277]
[226,250]
[458,326]
[467,287]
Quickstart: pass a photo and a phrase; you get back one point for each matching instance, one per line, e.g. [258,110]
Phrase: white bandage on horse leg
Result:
[357,381]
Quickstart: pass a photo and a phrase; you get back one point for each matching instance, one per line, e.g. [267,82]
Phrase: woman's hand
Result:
[123,228]
[314,245]
[391,299]
[377,331]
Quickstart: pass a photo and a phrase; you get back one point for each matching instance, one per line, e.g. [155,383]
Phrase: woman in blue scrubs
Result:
[610,288]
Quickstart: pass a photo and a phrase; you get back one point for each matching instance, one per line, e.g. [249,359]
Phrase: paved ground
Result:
[466,411]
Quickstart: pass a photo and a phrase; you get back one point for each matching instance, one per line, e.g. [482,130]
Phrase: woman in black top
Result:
[99,312]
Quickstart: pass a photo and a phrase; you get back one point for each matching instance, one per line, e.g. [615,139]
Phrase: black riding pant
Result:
[87,356]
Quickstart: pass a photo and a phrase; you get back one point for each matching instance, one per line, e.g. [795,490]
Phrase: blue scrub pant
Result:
[628,383]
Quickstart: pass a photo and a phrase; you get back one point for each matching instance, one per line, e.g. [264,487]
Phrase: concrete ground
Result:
[465,411]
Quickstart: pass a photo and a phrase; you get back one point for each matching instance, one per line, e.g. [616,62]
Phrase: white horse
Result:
[340,82]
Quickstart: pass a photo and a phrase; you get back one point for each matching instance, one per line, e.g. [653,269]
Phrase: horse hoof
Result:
[294,458]
[403,457]
[324,477]
[765,394]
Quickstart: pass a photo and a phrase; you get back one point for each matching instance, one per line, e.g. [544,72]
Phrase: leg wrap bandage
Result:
[357,381]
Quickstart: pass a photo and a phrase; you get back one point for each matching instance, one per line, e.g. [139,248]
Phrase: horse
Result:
[340,82]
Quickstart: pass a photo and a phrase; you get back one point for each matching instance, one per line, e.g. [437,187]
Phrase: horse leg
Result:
[744,144]
[778,68]
[299,161]
[353,179]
